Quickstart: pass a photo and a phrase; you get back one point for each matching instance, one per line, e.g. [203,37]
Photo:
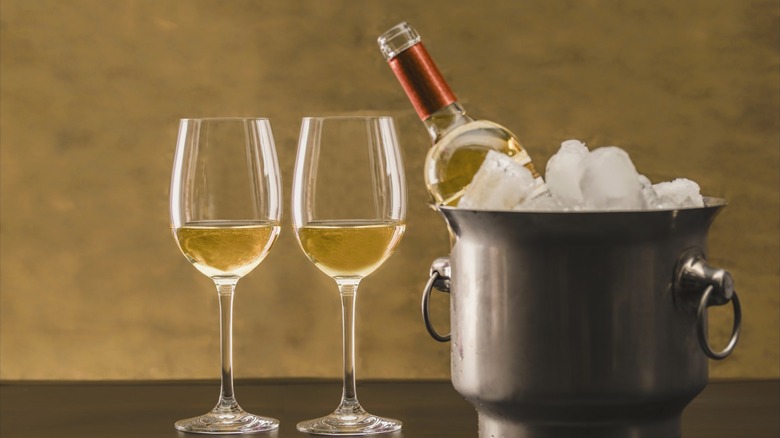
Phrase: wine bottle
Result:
[460,142]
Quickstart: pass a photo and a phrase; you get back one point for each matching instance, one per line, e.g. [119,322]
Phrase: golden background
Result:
[94,287]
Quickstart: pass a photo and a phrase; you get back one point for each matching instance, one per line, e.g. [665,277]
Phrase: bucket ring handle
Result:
[440,280]
[700,285]
[701,326]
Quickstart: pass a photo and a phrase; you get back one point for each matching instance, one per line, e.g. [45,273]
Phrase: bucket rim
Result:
[709,203]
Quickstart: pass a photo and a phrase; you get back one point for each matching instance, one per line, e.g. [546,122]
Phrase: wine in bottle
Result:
[460,142]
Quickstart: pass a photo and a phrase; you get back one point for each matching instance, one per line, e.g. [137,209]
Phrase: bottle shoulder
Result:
[478,134]
[489,125]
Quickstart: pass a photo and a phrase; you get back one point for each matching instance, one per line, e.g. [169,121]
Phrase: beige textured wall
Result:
[93,286]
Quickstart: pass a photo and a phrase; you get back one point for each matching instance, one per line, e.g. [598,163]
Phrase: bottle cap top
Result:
[399,38]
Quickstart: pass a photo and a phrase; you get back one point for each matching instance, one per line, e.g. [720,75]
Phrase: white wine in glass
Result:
[349,249]
[226,248]
[349,208]
[225,212]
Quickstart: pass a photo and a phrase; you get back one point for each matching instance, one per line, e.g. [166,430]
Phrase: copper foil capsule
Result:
[421,81]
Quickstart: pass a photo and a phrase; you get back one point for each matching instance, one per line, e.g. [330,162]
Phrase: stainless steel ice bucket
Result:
[586,324]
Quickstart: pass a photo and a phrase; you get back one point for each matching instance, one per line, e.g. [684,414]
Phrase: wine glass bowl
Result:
[225,206]
[349,208]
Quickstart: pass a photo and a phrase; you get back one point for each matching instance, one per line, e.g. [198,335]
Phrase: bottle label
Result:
[421,81]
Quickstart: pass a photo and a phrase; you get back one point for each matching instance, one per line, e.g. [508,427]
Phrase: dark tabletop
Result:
[744,409]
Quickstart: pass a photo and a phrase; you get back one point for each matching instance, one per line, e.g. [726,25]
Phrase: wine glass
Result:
[349,207]
[225,210]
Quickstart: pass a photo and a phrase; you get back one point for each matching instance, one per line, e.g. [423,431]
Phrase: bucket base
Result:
[491,427]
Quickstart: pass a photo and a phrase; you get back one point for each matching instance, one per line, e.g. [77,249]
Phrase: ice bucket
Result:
[581,324]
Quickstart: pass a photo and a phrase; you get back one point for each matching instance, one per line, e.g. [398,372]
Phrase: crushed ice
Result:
[577,179]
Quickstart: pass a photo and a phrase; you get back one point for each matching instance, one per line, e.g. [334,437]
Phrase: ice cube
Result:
[563,173]
[499,184]
[544,202]
[609,181]
[651,199]
[680,193]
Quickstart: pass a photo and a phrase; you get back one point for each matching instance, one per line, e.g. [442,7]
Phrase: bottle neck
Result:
[446,119]
[431,97]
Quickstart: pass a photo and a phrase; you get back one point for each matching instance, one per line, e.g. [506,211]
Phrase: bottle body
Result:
[460,142]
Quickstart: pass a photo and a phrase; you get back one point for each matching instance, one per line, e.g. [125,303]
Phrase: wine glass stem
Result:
[348,292]
[227,400]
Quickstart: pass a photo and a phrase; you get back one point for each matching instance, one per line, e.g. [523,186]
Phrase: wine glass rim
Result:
[227,118]
[350,116]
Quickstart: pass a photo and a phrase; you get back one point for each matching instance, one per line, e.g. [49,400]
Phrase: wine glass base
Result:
[224,423]
[349,424]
